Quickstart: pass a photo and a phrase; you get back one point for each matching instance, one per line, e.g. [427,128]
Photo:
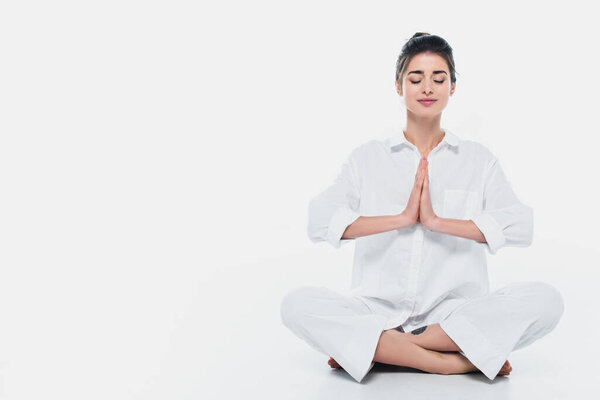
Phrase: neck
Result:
[425,134]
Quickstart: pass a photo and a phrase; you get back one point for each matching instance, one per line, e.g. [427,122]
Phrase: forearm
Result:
[458,227]
[364,226]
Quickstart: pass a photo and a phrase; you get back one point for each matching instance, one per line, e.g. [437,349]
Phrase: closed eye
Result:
[420,82]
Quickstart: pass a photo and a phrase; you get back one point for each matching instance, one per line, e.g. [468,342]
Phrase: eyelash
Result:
[420,82]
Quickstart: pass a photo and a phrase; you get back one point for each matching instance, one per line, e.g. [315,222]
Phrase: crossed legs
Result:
[536,310]
[319,315]
[427,348]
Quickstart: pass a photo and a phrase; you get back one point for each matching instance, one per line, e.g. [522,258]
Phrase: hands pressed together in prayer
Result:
[419,207]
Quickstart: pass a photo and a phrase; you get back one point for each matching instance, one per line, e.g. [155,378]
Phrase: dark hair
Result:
[421,42]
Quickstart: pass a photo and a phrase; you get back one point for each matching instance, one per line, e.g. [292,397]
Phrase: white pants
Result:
[486,329]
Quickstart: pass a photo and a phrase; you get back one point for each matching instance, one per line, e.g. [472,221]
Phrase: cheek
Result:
[412,90]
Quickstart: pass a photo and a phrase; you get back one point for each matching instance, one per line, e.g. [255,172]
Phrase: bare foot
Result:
[461,365]
[506,368]
[333,364]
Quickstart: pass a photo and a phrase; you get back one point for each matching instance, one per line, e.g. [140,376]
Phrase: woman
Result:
[422,206]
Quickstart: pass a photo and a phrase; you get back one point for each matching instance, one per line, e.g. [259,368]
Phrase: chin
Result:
[426,113]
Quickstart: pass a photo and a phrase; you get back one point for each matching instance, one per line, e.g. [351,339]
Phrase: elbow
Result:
[501,228]
[526,236]
[328,223]
[316,228]
[314,234]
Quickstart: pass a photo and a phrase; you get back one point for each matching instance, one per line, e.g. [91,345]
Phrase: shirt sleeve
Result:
[334,209]
[505,221]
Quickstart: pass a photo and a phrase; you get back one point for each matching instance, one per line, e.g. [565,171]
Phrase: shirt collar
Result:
[449,138]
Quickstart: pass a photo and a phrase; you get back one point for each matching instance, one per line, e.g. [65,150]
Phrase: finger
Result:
[419,169]
[419,176]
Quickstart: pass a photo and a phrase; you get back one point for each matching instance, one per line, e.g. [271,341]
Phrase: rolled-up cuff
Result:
[492,232]
[340,220]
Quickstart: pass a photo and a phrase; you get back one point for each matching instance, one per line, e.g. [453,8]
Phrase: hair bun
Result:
[422,42]
[419,34]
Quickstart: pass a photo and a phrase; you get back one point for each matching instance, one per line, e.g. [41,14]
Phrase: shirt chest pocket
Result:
[459,204]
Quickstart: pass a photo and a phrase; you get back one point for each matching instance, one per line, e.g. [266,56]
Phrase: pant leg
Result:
[487,329]
[339,326]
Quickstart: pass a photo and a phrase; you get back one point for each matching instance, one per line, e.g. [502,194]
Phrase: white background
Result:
[157,159]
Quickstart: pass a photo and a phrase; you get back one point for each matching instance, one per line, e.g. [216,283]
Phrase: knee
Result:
[550,301]
[297,303]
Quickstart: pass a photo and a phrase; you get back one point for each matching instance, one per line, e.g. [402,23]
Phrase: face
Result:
[432,80]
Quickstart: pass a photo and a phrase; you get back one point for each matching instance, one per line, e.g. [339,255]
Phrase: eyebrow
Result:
[421,72]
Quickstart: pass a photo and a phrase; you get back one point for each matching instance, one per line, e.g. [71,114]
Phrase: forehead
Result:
[427,62]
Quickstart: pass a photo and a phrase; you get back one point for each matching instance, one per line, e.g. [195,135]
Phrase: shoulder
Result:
[478,151]
[367,150]
[370,148]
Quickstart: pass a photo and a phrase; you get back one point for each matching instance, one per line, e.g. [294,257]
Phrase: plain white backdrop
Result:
[157,159]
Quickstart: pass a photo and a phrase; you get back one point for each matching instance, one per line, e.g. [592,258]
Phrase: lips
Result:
[427,102]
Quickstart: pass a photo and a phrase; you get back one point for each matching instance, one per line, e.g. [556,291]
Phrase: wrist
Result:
[403,220]
[435,223]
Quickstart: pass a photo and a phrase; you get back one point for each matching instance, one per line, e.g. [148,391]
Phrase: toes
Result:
[333,364]
[505,370]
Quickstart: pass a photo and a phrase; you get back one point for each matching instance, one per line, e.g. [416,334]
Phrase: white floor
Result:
[240,349]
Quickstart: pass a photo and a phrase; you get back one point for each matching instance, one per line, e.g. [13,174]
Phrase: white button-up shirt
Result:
[414,272]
